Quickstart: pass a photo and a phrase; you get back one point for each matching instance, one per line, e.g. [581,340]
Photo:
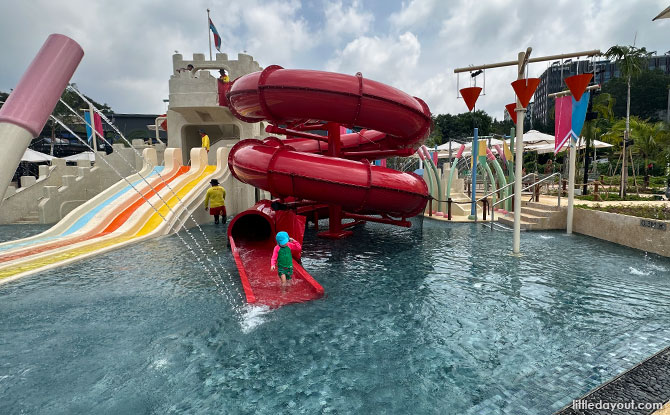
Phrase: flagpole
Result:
[571,187]
[93,133]
[209,36]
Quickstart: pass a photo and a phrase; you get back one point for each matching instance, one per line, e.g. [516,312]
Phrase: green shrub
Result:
[644,211]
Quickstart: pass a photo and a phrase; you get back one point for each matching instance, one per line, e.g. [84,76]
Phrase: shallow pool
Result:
[434,320]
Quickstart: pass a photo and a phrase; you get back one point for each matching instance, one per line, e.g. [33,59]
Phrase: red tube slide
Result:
[294,96]
[357,186]
[396,123]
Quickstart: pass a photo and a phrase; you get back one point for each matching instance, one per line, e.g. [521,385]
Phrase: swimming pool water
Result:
[434,320]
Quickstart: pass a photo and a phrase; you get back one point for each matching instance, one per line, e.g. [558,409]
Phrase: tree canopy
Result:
[649,94]
[461,126]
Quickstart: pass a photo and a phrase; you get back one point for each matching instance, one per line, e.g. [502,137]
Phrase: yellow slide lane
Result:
[150,225]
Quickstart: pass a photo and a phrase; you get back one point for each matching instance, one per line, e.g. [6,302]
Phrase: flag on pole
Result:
[481,148]
[563,122]
[508,154]
[570,117]
[217,38]
[579,114]
[97,123]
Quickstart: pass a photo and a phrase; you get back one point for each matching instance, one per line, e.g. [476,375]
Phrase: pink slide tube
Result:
[489,155]
[500,152]
[38,91]
[28,107]
[460,151]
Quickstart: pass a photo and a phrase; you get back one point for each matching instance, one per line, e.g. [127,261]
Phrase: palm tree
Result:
[631,61]
[664,145]
[646,144]
[647,139]
[602,105]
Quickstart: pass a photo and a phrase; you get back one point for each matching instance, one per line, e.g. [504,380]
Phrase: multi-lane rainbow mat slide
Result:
[144,205]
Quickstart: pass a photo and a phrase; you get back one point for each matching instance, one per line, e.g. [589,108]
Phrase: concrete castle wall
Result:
[61,188]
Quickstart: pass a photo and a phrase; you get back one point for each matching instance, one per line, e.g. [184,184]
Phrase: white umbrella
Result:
[86,155]
[35,156]
[549,148]
[533,140]
[534,136]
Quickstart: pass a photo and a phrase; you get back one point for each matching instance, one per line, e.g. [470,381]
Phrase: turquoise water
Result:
[430,321]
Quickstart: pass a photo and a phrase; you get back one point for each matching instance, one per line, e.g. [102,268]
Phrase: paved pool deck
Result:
[553,201]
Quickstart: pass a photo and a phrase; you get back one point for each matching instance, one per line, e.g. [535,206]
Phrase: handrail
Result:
[526,188]
[450,201]
[489,194]
[501,188]
[560,175]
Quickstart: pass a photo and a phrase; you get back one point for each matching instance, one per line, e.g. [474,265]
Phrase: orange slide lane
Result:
[119,220]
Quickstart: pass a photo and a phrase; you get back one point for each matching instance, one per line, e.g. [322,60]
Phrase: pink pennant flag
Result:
[98,124]
[563,122]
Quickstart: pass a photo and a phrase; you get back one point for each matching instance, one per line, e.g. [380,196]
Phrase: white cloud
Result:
[386,59]
[276,31]
[413,13]
[341,21]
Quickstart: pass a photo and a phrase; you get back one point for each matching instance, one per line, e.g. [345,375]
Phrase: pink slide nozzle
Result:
[489,155]
[38,91]
[460,151]
[500,152]
[426,153]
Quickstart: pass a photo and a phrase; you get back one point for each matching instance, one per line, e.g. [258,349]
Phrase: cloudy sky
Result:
[413,45]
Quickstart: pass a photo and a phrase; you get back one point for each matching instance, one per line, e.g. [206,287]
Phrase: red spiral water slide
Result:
[309,169]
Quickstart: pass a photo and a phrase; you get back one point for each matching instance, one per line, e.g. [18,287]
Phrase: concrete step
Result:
[525,217]
[509,222]
[536,212]
[27,221]
[536,205]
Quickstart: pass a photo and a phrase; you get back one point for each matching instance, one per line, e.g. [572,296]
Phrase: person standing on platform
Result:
[205,140]
[215,199]
[223,76]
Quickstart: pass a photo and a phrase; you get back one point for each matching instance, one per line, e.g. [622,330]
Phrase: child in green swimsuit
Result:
[282,259]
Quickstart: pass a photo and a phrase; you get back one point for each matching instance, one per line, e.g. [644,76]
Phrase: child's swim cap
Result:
[282,238]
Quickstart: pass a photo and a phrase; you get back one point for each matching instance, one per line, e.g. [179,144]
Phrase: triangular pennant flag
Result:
[578,83]
[508,154]
[524,89]
[562,122]
[579,114]
[482,148]
[511,110]
[470,96]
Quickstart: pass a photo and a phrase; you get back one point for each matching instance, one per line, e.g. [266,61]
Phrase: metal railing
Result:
[537,193]
[483,198]
[485,203]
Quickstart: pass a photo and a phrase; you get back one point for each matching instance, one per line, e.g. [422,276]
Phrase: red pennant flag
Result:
[470,96]
[578,84]
[511,111]
[524,89]
[163,125]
